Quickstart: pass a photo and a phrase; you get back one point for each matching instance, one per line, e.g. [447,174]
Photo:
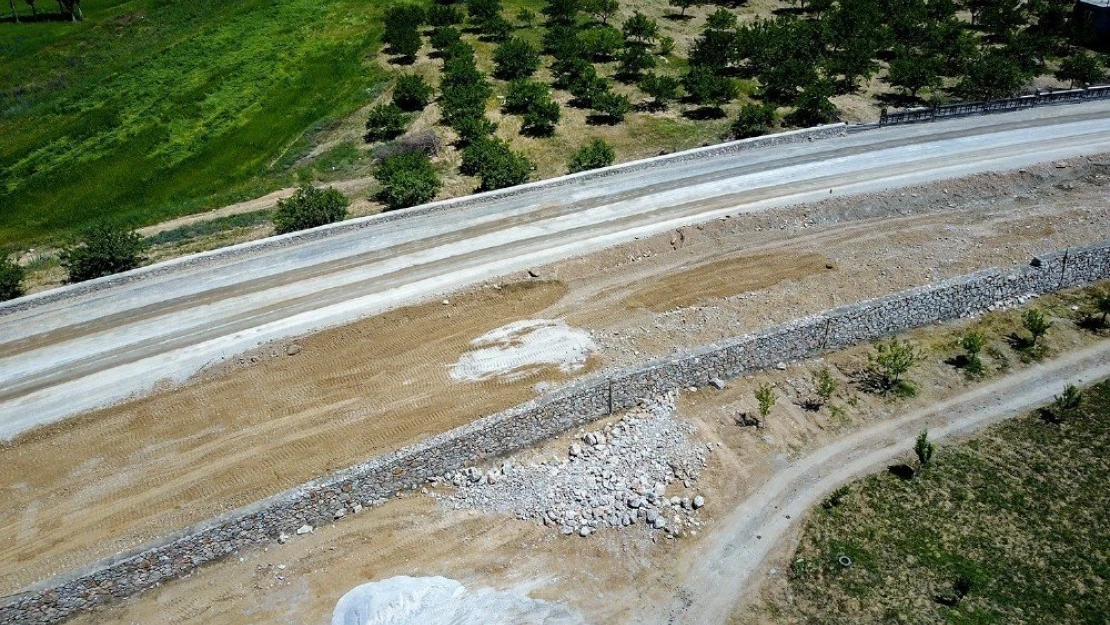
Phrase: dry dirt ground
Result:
[614,576]
[115,478]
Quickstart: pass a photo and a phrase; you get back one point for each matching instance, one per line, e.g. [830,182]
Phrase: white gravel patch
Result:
[612,478]
[441,601]
[517,350]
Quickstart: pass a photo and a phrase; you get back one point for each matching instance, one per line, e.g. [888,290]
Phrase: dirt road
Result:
[91,351]
[726,566]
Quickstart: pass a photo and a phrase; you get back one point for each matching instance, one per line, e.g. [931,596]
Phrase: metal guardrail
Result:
[965,109]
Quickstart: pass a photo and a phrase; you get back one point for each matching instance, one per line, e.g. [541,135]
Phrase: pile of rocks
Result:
[612,478]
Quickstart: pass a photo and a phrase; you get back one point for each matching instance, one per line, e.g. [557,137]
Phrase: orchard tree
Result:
[683,5]
[890,363]
[1081,69]
[11,279]
[440,15]
[993,75]
[102,250]
[482,12]
[491,160]
[561,12]
[516,58]
[401,30]
[640,29]
[443,37]
[633,61]
[411,92]
[523,93]
[593,155]
[813,108]
[662,89]
[309,207]
[600,44]
[406,180]
[914,72]
[610,107]
[385,121]
[587,88]
[754,120]
[601,10]
[708,88]
[541,117]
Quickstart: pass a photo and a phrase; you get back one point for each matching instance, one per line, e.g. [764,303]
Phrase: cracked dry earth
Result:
[114,478]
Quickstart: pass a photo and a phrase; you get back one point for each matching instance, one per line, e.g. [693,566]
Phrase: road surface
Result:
[727,566]
[85,352]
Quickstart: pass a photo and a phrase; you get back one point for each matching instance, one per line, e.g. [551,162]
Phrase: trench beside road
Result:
[746,538]
[75,354]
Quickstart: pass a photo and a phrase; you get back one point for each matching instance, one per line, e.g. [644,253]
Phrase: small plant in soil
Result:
[888,365]
[765,395]
[924,449]
[972,344]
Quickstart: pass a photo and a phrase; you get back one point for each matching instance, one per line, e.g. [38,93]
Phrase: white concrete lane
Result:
[63,358]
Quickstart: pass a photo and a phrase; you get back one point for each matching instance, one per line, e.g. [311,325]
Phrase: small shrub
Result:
[385,121]
[308,208]
[666,46]
[1066,404]
[825,385]
[11,279]
[924,449]
[765,395]
[836,497]
[411,92]
[407,180]
[890,362]
[516,58]
[526,17]
[103,250]
[973,343]
[1036,324]
[1098,316]
[597,153]
[754,120]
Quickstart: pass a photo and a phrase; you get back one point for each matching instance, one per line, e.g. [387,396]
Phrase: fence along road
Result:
[77,353]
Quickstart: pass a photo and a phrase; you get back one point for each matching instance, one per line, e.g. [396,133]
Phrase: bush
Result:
[593,155]
[825,385]
[890,362]
[612,107]
[662,89]
[481,12]
[754,120]
[102,251]
[491,160]
[11,279]
[516,58]
[924,449]
[309,207]
[411,92]
[440,15]
[1036,324]
[526,17]
[541,117]
[385,121]
[973,343]
[407,180]
[1066,404]
[765,395]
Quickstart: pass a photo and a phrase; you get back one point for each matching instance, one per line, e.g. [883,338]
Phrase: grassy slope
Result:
[1022,511]
[150,109]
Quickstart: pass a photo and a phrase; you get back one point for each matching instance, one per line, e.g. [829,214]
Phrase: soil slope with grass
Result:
[1010,527]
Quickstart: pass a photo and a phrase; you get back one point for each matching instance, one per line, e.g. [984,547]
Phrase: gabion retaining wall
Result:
[324,500]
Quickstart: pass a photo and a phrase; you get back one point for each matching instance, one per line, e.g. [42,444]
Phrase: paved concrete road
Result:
[725,569]
[79,353]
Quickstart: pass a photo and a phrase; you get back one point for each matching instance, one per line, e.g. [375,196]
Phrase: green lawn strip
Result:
[1021,513]
[151,110]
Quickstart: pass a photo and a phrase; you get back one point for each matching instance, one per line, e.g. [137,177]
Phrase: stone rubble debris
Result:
[613,478]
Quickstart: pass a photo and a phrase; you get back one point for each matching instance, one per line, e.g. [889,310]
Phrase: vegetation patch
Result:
[1010,527]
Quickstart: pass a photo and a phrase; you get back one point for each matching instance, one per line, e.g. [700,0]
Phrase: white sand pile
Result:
[522,348]
[441,601]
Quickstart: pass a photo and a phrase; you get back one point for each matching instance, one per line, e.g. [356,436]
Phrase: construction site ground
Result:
[110,480]
[630,575]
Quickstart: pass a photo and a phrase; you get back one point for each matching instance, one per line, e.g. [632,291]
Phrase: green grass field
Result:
[1021,514]
[151,109]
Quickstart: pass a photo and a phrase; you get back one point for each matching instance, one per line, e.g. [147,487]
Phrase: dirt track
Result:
[112,479]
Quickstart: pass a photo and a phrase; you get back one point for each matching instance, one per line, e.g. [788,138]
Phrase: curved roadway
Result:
[80,353]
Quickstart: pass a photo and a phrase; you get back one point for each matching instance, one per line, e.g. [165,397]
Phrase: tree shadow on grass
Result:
[702,113]
[902,471]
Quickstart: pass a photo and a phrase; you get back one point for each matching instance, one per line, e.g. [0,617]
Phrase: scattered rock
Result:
[293,350]
[699,502]
[532,274]
[304,529]
[781,366]
[717,383]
